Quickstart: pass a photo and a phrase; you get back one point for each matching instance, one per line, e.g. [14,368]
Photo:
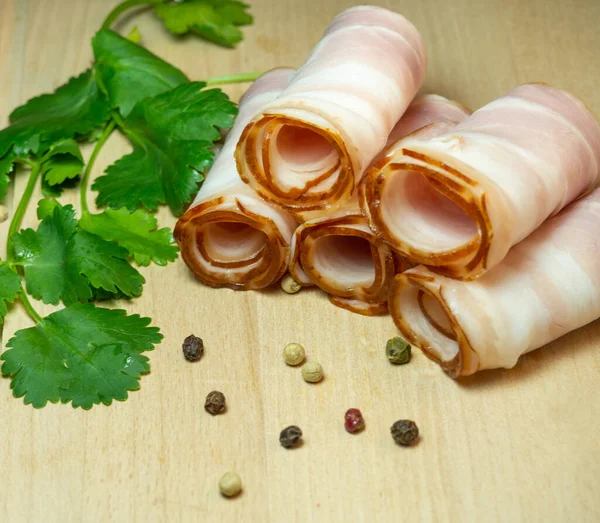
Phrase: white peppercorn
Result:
[289,285]
[230,484]
[293,354]
[312,372]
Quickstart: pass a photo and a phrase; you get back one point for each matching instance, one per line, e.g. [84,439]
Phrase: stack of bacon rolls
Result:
[480,233]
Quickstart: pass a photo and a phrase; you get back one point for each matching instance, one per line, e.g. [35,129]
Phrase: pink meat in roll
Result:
[459,200]
[307,149]
[340,253]
[230,236]
[547,286]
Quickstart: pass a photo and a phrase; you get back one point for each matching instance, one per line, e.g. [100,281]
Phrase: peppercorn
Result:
[193,348]
[397,351]
[3,213]
[290,437]
[405,432]
[312,372]
[354,421]
[289,285]
[215,402]
[293,354]
[230,484]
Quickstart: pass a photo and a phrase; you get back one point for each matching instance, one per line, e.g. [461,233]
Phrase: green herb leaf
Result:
[55,360]
[61,162]
[129,73]
[214,20]
[73,110]
[136,232]
[171,134]
[63,263]
[10,285]
[46,207]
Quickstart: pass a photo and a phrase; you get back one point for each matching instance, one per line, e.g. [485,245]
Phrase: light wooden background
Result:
[518,445]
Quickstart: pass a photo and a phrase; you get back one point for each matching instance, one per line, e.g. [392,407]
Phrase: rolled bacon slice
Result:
[547,286]
[459,200]
[307,149]
[230,236]
[340,253]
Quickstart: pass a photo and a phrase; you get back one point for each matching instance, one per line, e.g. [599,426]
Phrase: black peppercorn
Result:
[290,437]
[193,348]
[405,432]
[215,402]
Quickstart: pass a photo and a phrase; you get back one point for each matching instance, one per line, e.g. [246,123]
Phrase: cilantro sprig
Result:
[214,20]
[84,354]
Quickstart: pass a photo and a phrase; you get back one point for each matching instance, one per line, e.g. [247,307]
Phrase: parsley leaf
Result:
[46,207]
[171,134]
[61,163]
[62,262]
[129,73]
[136,232]
[10,285]
[55,360]
[74,109]
[214,20]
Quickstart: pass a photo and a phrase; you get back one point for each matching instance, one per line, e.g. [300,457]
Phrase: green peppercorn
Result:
[397,351]
[215,403]
[289,285]
[293,354]
[312,372]
[290,437]
[405,432]
[230,484]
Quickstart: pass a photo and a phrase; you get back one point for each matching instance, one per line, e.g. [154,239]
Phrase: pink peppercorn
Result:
[354,421]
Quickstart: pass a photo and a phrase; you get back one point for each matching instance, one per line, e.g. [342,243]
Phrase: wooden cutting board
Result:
[508,445]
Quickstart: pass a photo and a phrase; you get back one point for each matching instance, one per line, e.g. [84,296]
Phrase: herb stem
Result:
[118,119]
[85,178]
[125,6]
[15,223]
[232,79]
[29,308]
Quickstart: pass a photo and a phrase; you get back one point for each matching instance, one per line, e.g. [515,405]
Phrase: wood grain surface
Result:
[509,445]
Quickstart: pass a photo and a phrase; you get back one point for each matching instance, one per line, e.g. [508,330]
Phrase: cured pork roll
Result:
[307,149]
[548,285]
[340,253]
[457,201]
[230,236]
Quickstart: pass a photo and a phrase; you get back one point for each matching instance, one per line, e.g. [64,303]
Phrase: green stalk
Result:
[126,6]
[232,79]
[28,307]
[15,223]
[88,168]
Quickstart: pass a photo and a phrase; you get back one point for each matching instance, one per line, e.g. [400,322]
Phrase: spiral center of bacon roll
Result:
[425,319]
[348,262]
[420,213]
[226,244]
[342,256]
[294,163]
[230,243]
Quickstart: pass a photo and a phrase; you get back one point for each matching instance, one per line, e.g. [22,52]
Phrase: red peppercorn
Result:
[354,421]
